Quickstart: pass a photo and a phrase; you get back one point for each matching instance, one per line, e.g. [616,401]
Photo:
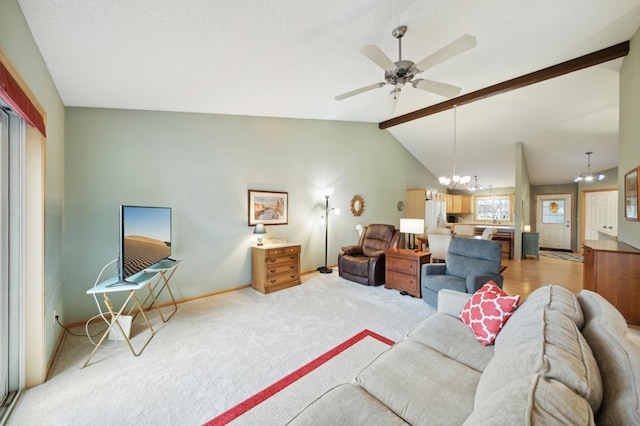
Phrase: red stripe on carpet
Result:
[263,395]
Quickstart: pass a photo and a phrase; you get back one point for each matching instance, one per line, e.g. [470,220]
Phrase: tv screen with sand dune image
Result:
[145,238]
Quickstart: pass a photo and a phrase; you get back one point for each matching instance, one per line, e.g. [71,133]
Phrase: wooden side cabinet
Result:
[611,269]
[275,267]
[403,269]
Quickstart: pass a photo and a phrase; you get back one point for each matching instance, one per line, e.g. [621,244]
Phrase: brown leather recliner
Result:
[365,263]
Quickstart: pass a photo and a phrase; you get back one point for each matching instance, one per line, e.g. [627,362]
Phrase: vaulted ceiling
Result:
[291,58]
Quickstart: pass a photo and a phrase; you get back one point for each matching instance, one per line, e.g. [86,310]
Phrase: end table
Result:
[403,269]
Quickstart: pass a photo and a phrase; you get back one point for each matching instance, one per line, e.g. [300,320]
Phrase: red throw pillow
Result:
[487,311]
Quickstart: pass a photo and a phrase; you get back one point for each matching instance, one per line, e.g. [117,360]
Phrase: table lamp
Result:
[412,227]
[260,229]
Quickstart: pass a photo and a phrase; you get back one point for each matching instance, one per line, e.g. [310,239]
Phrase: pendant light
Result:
[455,180]
[475,186]
[588,176]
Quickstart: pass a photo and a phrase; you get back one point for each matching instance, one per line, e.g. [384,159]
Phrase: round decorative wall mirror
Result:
[357,205]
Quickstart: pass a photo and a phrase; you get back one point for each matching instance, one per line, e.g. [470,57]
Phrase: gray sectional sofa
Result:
[560,359]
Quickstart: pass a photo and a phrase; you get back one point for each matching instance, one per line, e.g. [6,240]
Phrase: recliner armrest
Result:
[434,268]
[351,250]
[475,282]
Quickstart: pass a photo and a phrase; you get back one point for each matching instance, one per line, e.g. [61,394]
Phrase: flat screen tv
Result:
[145,238]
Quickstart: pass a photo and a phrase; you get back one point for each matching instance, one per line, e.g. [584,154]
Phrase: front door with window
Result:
[553,220]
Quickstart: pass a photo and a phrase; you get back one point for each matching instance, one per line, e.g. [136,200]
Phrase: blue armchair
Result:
[470,264]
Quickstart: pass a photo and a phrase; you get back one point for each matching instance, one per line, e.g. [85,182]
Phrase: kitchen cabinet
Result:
[460,204]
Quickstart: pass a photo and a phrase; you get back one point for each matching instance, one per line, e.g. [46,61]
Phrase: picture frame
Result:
[631,183]
[268,207]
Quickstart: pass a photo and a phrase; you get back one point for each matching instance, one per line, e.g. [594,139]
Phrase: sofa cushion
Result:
[421,385]
[544,342]
[347,404]
[449,336]
[618,358]
[487,311]
[556,298]
[532,400]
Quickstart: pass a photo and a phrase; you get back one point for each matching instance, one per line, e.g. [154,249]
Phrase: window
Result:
[553,211]
[493,208]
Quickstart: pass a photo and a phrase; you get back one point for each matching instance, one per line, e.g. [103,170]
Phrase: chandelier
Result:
[589,177]
[455,180]
[475,186]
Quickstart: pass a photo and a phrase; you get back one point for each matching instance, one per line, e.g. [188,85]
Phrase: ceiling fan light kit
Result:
[588,176]
[404,71]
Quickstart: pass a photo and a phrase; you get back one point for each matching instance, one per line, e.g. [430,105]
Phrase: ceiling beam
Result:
[614,52]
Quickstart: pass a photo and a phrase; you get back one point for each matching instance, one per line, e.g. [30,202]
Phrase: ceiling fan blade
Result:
[360,90]
[374,53]
[454,48]
[443,89]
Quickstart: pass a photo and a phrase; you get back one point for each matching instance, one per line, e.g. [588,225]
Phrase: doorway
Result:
[553,220]
[599,214]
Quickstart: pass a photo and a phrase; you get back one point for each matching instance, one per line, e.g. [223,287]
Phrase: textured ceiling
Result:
[290,58]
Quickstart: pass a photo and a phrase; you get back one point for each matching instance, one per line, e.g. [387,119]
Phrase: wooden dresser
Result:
[275,266]
[403,269]
[612,269]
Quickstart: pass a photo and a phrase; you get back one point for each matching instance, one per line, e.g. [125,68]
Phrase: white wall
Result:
[202,166]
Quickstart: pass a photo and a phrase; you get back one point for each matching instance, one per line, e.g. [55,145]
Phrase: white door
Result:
[553,220]
[601,213]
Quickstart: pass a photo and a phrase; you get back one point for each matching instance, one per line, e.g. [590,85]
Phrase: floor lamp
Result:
[325,269]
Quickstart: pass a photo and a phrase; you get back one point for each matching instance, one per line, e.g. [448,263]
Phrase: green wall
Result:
[19,46]
[629,152]
[202,166]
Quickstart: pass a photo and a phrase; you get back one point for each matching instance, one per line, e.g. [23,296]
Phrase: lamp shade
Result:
[527,228]
[412,226]
[260,229]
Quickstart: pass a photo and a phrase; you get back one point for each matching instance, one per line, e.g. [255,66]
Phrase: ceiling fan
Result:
[399,73]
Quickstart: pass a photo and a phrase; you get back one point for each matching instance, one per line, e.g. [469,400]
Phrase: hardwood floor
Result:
[522,276]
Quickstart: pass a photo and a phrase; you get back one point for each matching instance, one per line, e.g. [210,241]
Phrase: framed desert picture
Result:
[631,182]
[268,207]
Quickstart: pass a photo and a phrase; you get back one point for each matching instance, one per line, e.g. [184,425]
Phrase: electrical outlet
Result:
[55,316]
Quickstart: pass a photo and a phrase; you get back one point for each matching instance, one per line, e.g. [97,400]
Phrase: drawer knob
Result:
[272,270]
[292,267]
[273,281]
[272,260]
[292,276]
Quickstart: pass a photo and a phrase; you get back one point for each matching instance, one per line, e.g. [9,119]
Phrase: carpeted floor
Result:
[561,255]
[215,353]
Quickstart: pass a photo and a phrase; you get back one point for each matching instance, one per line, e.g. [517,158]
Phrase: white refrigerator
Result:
[435,214]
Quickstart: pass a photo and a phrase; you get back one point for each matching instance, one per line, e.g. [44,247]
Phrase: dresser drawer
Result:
[403,282]
[277,269]
[282,260]
[282,251]
[408,266]
[278,280]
